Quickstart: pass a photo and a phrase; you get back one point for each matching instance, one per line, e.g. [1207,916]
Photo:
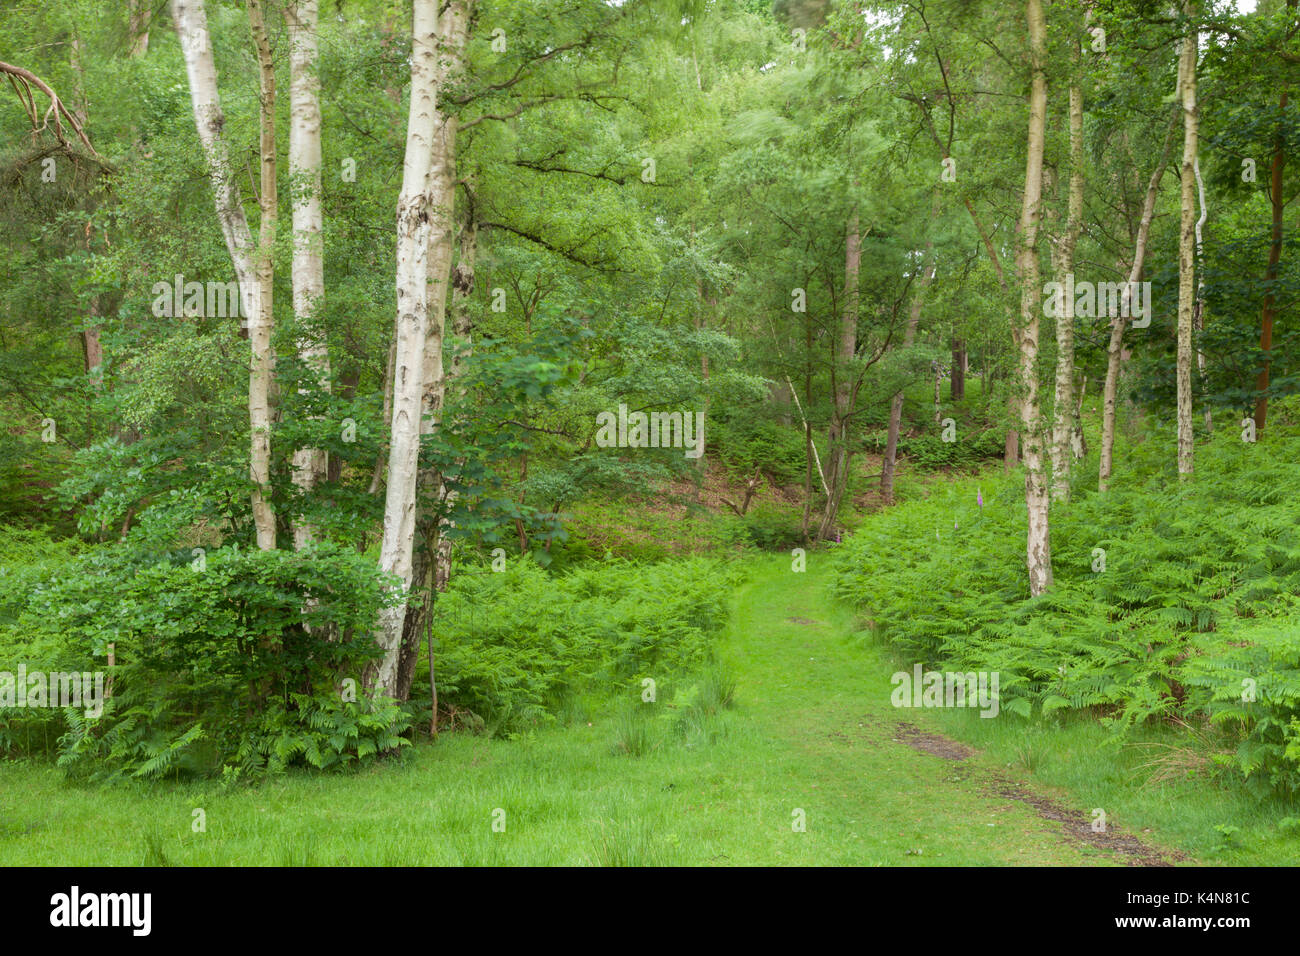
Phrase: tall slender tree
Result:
[1063,422]
[1187,238]
[1038,546]
[414,224]
[309,464]
[191,22]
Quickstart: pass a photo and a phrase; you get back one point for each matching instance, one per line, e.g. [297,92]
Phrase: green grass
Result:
[1154,784]
[809,727]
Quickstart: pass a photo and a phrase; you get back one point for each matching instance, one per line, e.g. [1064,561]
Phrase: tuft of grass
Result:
[630,843]
[633,736]
[1028,751]
[152,853]
[1186,759]
[717,688]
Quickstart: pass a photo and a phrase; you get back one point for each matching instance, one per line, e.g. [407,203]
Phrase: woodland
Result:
[573,412]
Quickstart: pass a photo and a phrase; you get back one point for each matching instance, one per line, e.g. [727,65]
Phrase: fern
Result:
[1198,594]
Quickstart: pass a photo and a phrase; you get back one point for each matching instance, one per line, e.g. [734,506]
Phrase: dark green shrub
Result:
[217,654]
[770,527]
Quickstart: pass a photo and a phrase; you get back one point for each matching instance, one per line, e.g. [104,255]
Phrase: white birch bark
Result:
[453,35]
[1110,389]
[1038,549]
[309,464]
[1200,292]
[412,325]
[192,30]
[1187,246]
[1063,421]
[262,374]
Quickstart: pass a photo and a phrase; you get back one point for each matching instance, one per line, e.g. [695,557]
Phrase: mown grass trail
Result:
[859,765]
[812,729]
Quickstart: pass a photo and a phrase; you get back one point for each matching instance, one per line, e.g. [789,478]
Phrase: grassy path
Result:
[862,768]
[812,730]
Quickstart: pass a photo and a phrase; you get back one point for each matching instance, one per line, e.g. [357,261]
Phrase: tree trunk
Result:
[452,38]
[957,377]
[92,344]
[1038,549]
[938,392]
[192,30]
[1115,349]
[414,215]
[1187,244]
[310,465]
[139,13]
[1199,313]
[93,349]
[889,465]
[262,375]
[838,433]
[1078,444]
[1270,275]
[1063,420]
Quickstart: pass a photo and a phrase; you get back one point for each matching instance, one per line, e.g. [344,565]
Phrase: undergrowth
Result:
[1172,600]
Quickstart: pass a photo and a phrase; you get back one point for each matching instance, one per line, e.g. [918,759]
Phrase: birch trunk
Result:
[412,326]
[192,30]
[310,465]
[432,562]
[1115,349]
[262,374]
[1187,245]
[1199,323]
[1038,549]
[420,605]
[938,393]
[453,37]
[1078,445]
[1063,421]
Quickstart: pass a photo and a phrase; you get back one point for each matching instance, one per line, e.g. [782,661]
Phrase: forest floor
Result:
[812,737]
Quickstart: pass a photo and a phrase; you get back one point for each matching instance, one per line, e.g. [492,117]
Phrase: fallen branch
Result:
[751,486]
